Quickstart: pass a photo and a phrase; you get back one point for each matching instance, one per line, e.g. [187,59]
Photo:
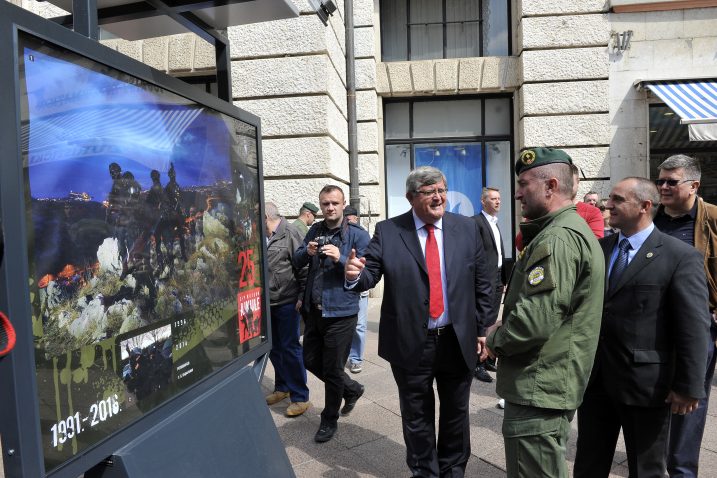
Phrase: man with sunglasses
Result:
[685,216]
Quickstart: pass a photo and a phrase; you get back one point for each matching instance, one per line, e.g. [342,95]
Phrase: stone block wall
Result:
[562,101]
[673,44]
[292,74]
[184,54]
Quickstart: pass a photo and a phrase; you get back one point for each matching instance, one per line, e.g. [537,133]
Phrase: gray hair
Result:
[644,190]
[271,211]
[563,172]
[689,164]
[487,190]
[424,176]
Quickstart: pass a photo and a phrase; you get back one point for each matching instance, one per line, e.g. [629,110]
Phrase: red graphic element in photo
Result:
[249,307]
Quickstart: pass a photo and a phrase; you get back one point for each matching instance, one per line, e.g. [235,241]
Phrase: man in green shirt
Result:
[551,318]
[307,216]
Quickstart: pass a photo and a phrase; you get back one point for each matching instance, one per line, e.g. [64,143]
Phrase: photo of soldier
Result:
[147,362]
[170,226]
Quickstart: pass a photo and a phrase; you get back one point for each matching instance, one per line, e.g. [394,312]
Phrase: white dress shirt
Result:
[493,221]
[443,320]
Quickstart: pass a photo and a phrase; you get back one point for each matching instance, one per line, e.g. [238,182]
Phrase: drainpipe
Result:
[354,198]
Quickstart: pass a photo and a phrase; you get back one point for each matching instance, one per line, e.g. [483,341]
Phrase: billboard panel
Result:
[144,245]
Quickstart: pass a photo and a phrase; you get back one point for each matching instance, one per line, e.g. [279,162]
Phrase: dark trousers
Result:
[686,431]
[441,361]
[286,353]
[327,342]
[645,431]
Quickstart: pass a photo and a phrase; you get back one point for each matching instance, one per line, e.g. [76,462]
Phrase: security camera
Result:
[323,9]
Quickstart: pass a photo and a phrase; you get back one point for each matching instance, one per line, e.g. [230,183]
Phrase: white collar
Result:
[419,223]
[491,219]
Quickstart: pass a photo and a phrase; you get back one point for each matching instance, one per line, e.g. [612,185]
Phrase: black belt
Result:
[440,330]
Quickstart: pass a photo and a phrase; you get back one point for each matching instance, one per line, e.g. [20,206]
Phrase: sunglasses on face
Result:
[671,182]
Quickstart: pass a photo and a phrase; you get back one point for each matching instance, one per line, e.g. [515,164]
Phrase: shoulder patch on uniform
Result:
[536,275]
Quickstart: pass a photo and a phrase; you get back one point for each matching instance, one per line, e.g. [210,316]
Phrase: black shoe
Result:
[490,365]
[480,374]
[326,432]
[351,401]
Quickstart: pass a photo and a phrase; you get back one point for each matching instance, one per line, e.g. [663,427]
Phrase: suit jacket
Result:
[655,323]
[488,241]
[395,254]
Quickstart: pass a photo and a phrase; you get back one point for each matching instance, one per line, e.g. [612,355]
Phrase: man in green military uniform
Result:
[551,318]
[307,216]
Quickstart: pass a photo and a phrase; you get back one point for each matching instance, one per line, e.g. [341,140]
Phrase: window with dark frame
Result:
[469,136]
[435,29]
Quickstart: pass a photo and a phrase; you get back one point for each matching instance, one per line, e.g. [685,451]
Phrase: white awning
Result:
[703,132]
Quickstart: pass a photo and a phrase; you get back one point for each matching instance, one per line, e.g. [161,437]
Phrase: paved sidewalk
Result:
[369,442]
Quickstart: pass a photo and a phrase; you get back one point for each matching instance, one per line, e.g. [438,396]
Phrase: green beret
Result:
[311,207]
[534,157]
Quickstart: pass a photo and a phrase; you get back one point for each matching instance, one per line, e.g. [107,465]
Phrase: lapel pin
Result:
[649,255]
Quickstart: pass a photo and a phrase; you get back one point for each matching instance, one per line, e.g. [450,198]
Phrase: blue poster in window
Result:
[462,166]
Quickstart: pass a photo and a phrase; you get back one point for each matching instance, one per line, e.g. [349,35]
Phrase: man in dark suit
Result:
[436,303]
[492,242]
[648,362]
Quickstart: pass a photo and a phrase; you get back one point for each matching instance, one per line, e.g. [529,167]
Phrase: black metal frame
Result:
[480,21]
[86,19]
[19,415]
[411,141]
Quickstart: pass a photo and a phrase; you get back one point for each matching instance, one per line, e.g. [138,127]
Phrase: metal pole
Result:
[84,18]
[224,69]
[354,198]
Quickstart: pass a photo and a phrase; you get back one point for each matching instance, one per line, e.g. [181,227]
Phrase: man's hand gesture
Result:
[354,266]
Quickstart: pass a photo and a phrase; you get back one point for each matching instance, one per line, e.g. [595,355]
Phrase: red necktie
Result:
[433,262]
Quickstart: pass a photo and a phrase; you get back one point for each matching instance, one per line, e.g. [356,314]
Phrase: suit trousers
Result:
[645,431]
[686,431]
[327,341]
[441,361]
[286,355]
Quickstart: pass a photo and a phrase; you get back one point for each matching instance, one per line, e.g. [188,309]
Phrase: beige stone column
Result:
[563,100]
[292,74]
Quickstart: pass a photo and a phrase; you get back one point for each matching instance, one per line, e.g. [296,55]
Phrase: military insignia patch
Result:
[536,276]
[527,157]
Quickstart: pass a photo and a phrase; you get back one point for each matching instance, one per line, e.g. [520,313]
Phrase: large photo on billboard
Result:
[144,246]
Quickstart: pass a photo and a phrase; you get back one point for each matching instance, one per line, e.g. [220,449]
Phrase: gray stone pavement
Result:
[369,442]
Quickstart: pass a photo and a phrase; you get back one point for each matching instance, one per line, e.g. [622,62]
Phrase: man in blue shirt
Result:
[651,359]
[330,310]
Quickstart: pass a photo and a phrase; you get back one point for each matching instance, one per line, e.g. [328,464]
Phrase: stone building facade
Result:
[561,75]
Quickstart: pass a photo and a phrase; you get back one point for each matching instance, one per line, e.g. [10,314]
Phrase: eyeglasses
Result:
[431,192]
[672,182]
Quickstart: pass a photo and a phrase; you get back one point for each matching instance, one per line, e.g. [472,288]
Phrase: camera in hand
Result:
[322,241]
